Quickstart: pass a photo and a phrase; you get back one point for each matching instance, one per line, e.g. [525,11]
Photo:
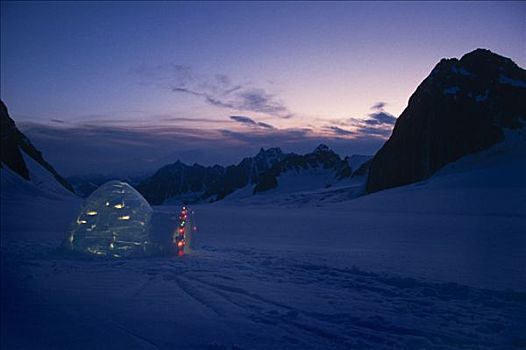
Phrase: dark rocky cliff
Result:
[14,142]
[462,107]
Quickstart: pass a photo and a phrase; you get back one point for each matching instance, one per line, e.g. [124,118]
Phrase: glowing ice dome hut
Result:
[114,222]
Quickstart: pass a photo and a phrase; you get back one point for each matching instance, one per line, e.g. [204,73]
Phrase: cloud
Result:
[339,131]
[222,79]
[219,103]
[243,119]
[130,149]
[187,91]
[217,90]
[379,106]
[185,120]
[375,125]
[176,74]
[250,122]
[374,131]
[258,100]
[269,139]
[380,118]
[233,89]
[265,125]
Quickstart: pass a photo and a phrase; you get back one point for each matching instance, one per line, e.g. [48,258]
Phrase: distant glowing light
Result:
[95,251]
[119,205]
[91,213]
[82,222]
[124,217]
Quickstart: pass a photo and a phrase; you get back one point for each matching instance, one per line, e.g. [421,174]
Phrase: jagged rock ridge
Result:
[197,183]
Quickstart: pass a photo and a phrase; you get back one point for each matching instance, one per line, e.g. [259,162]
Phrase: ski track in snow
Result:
[255,299]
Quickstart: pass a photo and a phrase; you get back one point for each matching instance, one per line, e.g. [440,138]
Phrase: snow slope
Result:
[435,265]
[309,188]
[41,183]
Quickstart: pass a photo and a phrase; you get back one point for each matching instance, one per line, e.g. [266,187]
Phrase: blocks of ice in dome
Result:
[115,222]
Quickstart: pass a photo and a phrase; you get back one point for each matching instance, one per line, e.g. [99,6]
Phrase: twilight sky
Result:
[116,87]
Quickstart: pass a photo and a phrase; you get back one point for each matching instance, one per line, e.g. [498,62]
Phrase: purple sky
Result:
[125,87]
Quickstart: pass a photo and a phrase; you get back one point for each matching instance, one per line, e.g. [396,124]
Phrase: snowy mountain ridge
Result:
[266,171]
[197,182]
[479,174]
[22,166]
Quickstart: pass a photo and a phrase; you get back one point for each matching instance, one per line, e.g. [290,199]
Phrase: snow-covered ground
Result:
[434,265]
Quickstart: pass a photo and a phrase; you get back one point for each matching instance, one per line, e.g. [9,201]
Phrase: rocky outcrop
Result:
[13,143]
[462,107]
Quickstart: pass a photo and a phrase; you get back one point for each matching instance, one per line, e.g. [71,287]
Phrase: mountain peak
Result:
[487,62]
[270,151]
[322,148]
[481,53]
[461,108]
[5,120]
